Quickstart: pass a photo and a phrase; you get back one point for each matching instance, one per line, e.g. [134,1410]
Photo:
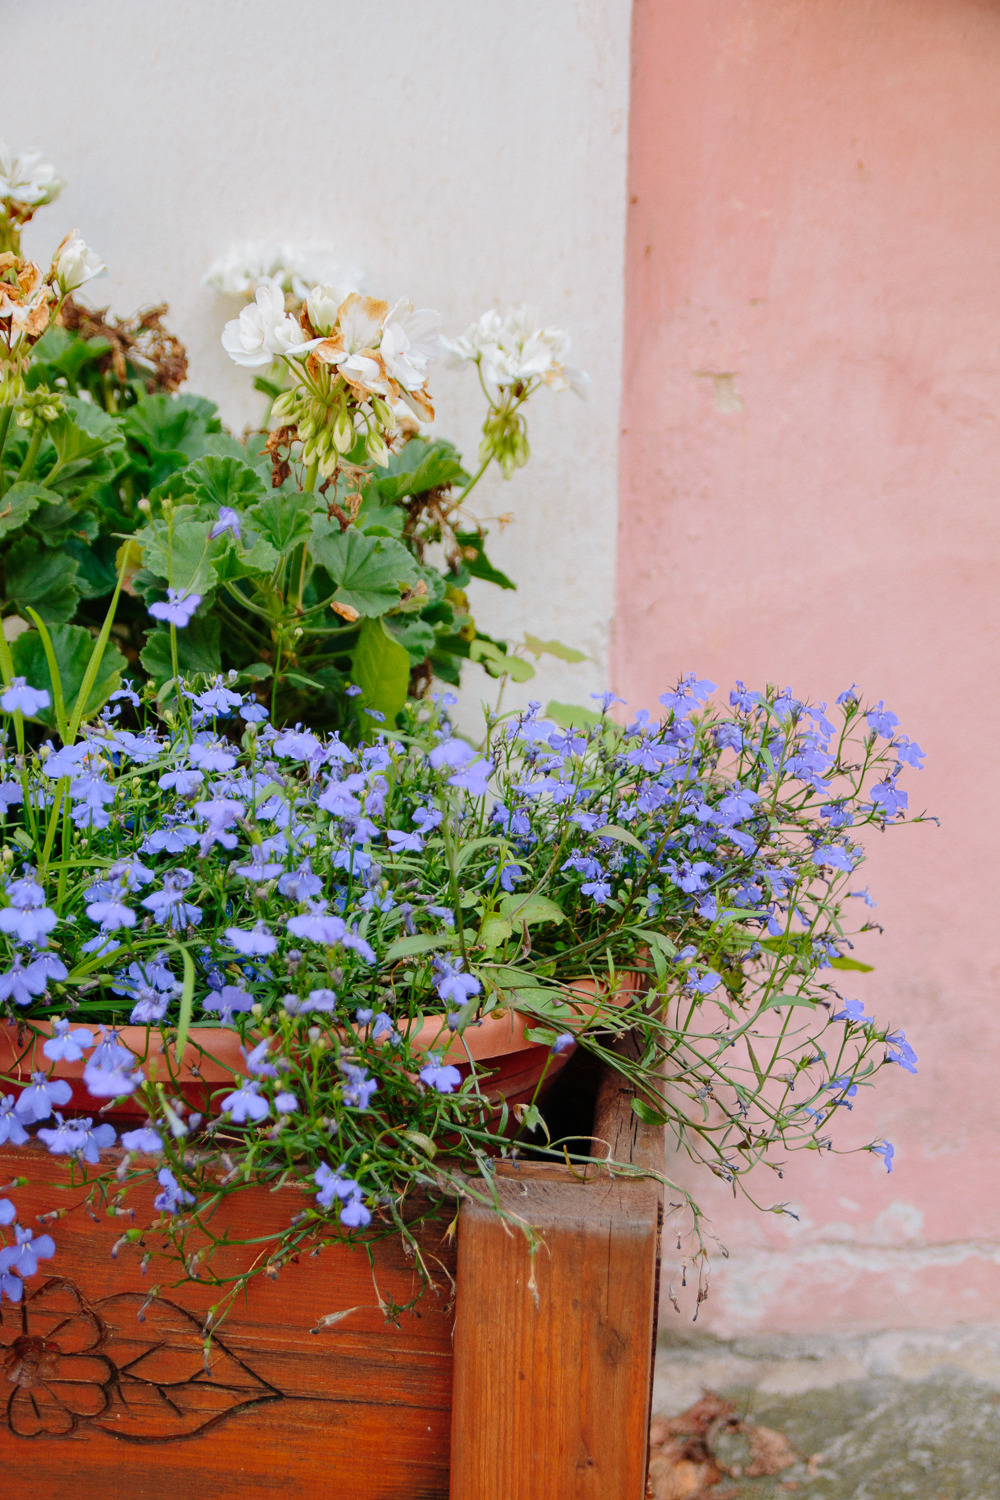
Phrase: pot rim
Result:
[218,1057]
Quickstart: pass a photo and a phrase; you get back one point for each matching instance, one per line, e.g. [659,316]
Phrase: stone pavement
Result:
[888,1416]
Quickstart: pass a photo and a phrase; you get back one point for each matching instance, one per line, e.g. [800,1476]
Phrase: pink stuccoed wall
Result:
[810,494]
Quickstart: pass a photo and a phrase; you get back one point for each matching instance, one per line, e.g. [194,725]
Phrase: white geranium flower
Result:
[73,264]
[27,179]
[410,341]
[353,346]
[484,334]
[322,305]
[263,331]
[293,268]
[516,348]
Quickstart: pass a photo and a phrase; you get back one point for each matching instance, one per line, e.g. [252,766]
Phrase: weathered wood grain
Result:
[124,1410]
[553,1352]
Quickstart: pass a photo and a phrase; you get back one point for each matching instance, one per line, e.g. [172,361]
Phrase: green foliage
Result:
[72,646]
[422,466]
[477,564]
[198,650]
[301,588]
[380,667]
[19,502]
[369,572]
[552,648]
[45,580]
[571,715]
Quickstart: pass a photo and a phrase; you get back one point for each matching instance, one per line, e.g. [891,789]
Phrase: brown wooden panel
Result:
[553,1359]
[552,1376]
[97,1403]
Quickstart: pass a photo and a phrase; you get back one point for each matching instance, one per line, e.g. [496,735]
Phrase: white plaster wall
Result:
[460,152]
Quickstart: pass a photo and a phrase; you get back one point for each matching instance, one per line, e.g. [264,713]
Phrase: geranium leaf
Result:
[368,571]
[72,646]
[381,669]
[42,579]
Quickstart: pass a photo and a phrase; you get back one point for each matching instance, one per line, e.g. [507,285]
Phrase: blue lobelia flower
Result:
[171,1197]
[245,1104]
[64,1046]
[78,1138]
[37,1101]
[886,1152]
[146,1140]
[440,1076]
[256,943]
[21,1259]
[19,698]
[176,609]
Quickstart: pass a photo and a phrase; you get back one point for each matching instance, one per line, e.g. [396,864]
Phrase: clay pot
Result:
[213,1055]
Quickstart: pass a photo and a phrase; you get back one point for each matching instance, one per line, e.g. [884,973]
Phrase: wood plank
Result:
[553,1356]
[125,1409]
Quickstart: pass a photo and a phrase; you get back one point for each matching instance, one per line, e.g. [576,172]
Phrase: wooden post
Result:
[553,1356]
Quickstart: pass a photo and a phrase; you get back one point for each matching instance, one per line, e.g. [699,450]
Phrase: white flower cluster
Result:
[27,179]
[277,263]
[515,348]
[374,347]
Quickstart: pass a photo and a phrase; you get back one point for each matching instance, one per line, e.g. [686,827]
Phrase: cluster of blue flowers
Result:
[325,902]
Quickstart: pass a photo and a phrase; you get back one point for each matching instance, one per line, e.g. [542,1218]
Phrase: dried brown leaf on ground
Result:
[684,1463]
[770,1451]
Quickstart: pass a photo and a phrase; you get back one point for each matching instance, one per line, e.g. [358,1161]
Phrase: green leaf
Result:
[553,648]
[778,1002]
[43,579]
[247,558]
[647,1114]
[187,554]
[421,466]
[83,454]
[369,571]
[416,636]
[610,831]
[499,663]
[852,963]
[96,571]
[72,645]
[479,565]
[225,481]
[54,524]
[96,422]
[257,671]
[531,909]
[572,715]
[19,502]
[424,1142]
[377,514]
[381,669]
[493,932]
[187,1004]
[419,943]
[198,650]
[284,519]
[160,424]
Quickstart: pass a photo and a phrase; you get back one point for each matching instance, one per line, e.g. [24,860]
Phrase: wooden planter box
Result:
[503,1386]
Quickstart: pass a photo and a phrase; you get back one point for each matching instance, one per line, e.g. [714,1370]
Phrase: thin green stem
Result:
[27,468]
[5,417]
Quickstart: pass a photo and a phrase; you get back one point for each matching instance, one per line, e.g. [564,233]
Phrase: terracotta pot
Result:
[213,1055]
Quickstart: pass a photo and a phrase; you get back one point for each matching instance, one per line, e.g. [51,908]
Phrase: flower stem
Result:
[27,468]
[5,417]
